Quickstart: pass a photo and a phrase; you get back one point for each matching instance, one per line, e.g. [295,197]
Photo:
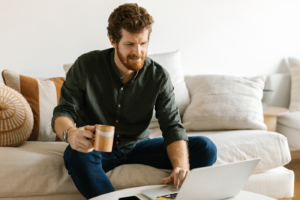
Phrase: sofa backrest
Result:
[281,84]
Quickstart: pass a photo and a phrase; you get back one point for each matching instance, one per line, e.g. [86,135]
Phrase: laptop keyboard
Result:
[169,196]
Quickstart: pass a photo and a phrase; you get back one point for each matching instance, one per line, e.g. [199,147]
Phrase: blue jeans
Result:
[88,169]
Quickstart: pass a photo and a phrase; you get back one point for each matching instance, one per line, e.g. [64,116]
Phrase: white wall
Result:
[234,37]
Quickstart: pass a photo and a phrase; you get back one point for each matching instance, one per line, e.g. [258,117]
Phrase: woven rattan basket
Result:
[16,117]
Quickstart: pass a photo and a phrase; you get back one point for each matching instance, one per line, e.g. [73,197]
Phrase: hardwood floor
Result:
[295,166]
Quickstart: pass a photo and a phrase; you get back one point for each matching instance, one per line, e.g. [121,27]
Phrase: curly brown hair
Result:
[131,17]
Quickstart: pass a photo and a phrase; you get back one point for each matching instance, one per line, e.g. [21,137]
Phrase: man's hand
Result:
[176,178]
[77,138]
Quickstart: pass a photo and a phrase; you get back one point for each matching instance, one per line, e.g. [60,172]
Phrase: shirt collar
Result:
[120,76]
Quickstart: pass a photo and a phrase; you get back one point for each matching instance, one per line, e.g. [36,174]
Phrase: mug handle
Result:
[92,141]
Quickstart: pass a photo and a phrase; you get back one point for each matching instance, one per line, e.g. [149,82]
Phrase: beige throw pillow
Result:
[295,85]
[220,102]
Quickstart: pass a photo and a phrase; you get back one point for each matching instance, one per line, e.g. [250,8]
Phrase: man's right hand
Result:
[77,137]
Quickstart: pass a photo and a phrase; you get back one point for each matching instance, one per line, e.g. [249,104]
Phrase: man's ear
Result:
[112,42]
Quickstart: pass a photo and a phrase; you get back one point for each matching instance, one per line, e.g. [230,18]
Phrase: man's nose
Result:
[137,51]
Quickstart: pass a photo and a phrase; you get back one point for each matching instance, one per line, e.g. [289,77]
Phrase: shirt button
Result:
[117,142]
[119,105]
[118,135]
[117,121]
[121,88]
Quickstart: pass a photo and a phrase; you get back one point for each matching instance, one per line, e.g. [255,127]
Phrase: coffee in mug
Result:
[104,137]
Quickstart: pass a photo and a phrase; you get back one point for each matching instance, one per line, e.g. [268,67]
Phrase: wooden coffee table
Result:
[270,116]
[243,195]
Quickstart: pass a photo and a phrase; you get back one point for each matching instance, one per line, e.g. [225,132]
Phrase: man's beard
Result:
[129,63]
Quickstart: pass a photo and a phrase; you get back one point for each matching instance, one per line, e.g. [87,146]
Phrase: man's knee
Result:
[207,150]
[75,160]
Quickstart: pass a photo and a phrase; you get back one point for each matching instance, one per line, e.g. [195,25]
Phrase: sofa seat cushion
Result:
[238,145]
[277,183]
[291,119]
[289,126]
[291,134]
[37,168]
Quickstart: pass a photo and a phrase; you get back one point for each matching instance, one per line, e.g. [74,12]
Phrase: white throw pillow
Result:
[295,85]
[220,102]
[171,62]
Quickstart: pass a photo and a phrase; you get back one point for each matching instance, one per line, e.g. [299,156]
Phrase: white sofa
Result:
[35,170]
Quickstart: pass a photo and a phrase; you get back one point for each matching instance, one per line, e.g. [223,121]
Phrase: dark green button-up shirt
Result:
[94,93]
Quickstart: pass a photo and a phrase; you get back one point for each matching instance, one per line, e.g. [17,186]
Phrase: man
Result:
[120,87]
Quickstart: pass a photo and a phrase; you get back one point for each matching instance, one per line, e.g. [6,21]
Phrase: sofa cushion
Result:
[42,96]
[280,183]
[16,117]
[277,183]
[291,134]
[35,168]
[223,102]
[237,145]
[295,85]
[289,126]
[42,163]
[280,83]
[291,119]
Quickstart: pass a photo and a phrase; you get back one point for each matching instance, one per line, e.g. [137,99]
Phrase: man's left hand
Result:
[176,178]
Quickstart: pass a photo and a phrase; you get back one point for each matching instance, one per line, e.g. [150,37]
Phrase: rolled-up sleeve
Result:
[167,114]
[72,93]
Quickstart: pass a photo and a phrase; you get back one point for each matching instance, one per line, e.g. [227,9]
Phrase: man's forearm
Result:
[61,124]
[178,154]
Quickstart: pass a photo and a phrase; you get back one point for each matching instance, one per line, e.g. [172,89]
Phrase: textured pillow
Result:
[171,62]
[221,102]
[295,85]
[42,96]
[16,117]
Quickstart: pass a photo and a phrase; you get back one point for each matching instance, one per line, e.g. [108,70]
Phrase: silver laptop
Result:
[208,183]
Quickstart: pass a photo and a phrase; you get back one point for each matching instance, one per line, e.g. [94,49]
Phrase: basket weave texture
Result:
[16,117]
